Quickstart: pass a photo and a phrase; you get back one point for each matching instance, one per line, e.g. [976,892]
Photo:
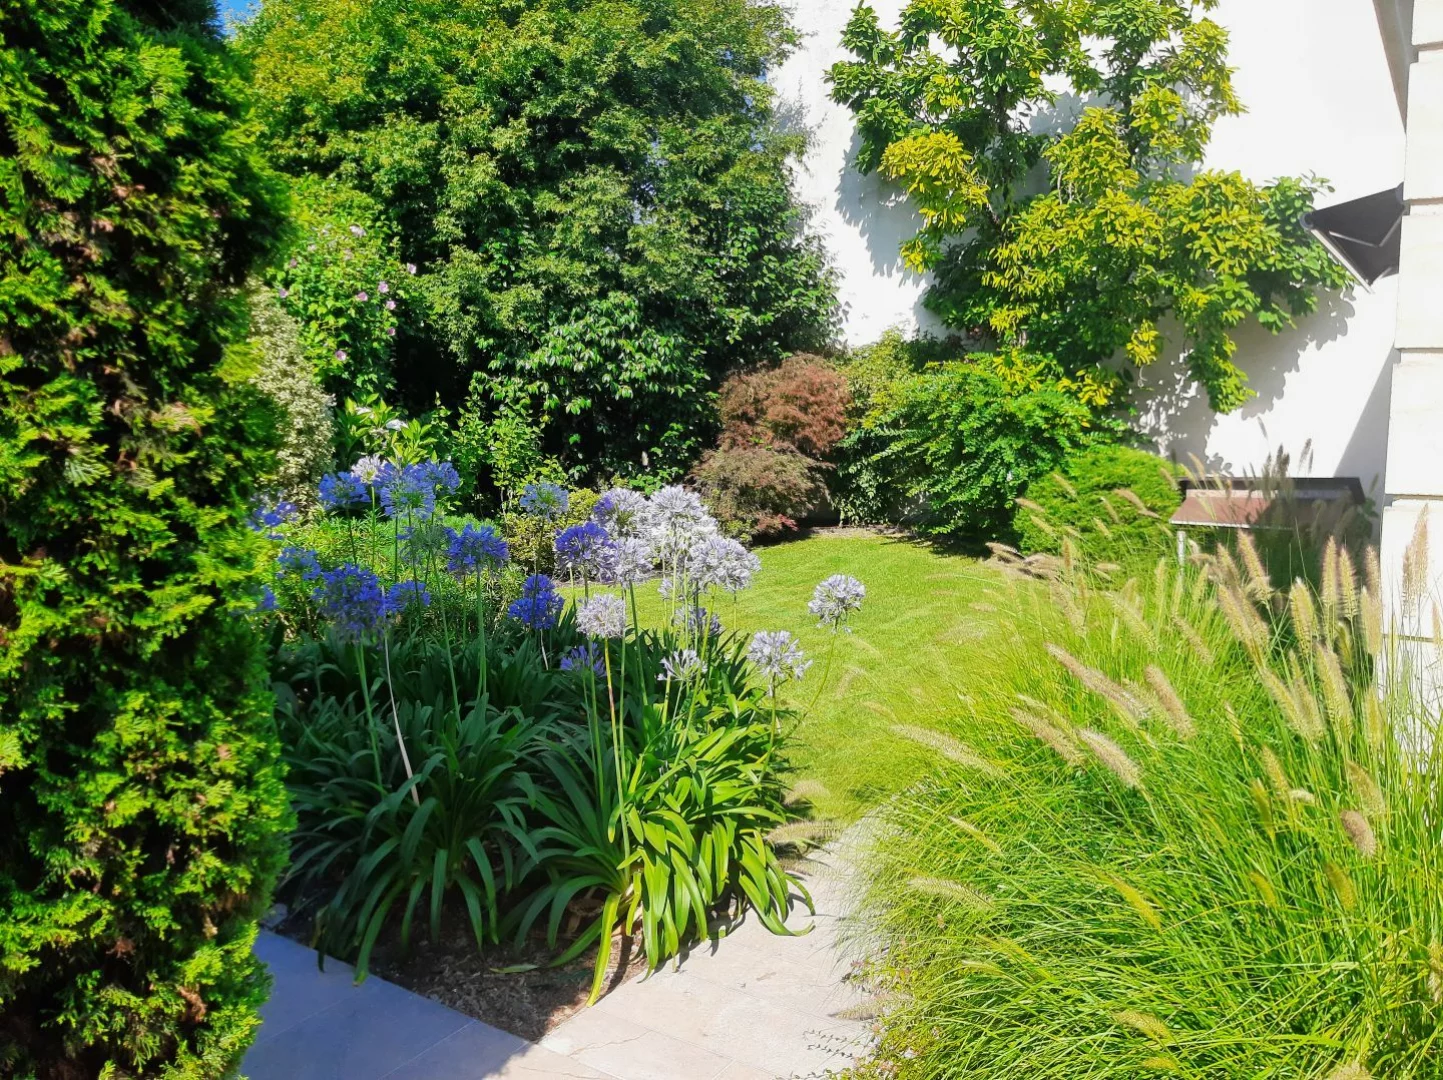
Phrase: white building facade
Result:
[1315,78]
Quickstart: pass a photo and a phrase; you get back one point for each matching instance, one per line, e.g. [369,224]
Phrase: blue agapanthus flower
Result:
[546,501]
[266,599]
[342,490]
[475,549]
[352,599]
[585,550]
[582,657]
[539,606]
[271,514]
[408,492]
[441,475]
[405,594]
[302,561]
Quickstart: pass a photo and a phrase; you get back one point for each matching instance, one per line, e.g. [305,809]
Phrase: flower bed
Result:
[461,737]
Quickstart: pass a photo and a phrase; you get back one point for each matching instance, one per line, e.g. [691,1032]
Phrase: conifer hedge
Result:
[141,805]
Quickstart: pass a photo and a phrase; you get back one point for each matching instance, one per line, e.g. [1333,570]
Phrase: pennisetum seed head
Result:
[1360,833]
[1113,757]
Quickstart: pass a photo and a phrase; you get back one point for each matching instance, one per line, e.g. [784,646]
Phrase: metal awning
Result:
[1242,503]
[1365,235]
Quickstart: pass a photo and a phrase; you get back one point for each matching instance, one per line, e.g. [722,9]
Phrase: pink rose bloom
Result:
[363,296]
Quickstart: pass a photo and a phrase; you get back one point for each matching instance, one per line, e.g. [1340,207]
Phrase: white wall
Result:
[1315,79]
[863,220]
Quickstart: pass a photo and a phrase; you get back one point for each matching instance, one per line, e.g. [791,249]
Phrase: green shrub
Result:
[1177,830]
[1114,503]
[286,377]
[969,442]
[139,788]
[531,537]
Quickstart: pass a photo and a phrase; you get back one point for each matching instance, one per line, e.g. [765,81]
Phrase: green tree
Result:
[142,807]
[963,106]
[595,194]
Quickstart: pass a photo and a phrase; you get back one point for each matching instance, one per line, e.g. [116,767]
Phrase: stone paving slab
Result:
[752,1006]
[318,1025]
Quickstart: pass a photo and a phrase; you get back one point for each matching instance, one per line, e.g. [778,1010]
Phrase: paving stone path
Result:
[752,1006]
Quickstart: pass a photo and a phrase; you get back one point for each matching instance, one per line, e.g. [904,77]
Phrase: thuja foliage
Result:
[595,195]
[962,106]
[1179,830]
[139,792]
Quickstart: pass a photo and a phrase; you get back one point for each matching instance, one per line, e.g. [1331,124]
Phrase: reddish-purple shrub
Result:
[778,425]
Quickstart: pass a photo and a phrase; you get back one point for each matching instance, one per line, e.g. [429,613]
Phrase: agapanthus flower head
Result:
[584,657]
[698,620]
[441,475]
[622,512]
[269,514]
[602,616]
[408,493]
[352,599]
[778,657]
[370,468]
[539,606]
[302,561]
[631,561]
[475,549]
[265,599]
[719,562]
[584,550]
[835,599]
[682,666]
[545,501]
[406,594]
[340,490]
[677,519]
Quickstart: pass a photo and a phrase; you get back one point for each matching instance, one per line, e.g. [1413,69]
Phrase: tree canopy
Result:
[594,195]
[1051,148]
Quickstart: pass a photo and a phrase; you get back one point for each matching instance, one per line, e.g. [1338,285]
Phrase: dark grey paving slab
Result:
[299,989]
[330,1029]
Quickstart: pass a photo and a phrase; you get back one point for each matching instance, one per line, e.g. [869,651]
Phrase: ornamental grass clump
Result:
[1206,842]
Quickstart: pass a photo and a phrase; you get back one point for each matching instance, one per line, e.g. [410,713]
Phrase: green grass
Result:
[909,649]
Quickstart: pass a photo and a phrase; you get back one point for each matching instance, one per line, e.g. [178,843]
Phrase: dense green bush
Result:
[1178,829]
[139,788]
[962,441]
[596,197]
[1113,502]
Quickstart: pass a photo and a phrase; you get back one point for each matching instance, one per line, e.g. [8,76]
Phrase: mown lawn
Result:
[925,618]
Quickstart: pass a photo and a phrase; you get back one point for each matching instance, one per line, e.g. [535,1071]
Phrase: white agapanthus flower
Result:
[682,666]
[623,513]
[677,519]
[602,616]
[368,468]
[778,656]
[719,562]
[629,561]
[835,599]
